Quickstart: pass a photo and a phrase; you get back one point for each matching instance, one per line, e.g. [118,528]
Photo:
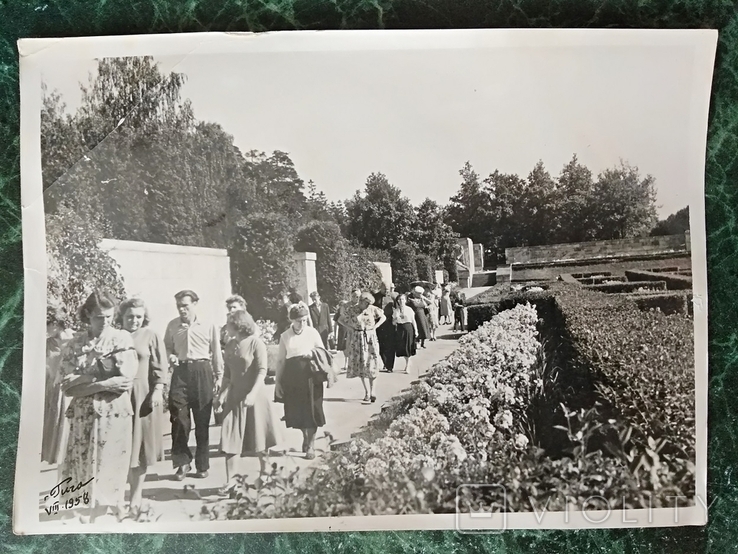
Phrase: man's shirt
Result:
[194,341]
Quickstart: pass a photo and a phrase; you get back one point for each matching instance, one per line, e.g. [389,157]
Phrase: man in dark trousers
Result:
[193,348]
[321,317]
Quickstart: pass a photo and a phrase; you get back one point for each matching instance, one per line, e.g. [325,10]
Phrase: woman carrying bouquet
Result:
[99,365]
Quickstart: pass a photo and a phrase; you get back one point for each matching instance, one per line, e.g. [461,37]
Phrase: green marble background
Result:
[28,18]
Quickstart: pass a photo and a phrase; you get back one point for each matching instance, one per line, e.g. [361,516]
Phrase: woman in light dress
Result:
[249,427]
[403,317]
[447,309]
[99,365]
[146,397]
[55,424]
[432,304]
[361,321]
[297,386]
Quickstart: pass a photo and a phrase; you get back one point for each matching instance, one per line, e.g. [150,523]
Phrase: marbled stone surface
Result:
[37,18]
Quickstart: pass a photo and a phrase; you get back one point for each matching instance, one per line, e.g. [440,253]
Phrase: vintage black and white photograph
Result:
[364,280]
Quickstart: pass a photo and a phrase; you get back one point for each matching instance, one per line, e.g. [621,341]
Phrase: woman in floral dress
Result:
[98,364]
[361,321]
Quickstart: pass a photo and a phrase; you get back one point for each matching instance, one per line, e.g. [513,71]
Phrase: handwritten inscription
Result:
[66,489]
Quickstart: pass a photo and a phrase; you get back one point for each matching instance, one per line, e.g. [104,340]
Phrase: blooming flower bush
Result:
[267,329]
[472,419]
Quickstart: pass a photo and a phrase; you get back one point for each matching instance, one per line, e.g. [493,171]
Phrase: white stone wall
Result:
[305,268]
[156,272]
[386,269]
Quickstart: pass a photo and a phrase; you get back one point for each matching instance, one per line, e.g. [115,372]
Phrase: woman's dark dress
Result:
[421,320]
[386,337]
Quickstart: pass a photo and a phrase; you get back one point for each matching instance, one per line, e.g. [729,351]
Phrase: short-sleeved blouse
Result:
[407,315]
[361,320]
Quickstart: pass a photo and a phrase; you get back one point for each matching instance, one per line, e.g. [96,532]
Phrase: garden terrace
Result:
[628,286]
[673,281]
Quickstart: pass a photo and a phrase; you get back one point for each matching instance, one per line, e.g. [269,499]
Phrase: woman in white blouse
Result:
[301,393]
[406,329]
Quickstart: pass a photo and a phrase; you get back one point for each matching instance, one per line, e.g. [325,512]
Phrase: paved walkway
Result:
[345,414]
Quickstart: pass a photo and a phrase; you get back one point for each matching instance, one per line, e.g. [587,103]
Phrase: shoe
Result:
[310,454]
[366,398]
[201,474]
[373,399]
[182,472]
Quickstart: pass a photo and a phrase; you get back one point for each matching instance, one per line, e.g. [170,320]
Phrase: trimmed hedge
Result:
[673,282]
[669,303]
[630,286]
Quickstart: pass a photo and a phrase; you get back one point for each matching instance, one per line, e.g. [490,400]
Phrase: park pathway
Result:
[177,501]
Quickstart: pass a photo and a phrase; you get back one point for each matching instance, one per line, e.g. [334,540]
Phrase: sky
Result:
[417,115]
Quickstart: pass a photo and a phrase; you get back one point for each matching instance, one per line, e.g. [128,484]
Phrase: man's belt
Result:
[190,361]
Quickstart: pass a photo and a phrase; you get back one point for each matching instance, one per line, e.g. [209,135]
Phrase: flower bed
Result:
[473,420]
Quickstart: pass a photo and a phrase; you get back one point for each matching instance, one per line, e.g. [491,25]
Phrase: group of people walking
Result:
[109,385]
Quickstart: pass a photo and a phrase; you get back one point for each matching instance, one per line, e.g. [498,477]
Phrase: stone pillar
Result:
[478,257]
[385,268]
[504,274]
[305,268]
[439,276]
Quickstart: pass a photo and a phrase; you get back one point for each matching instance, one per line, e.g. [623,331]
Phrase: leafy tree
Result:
[425,267]
[275,184]
[538,212]
[573,193]
[362,273]
[622,204]
[76,265]
[262,264]
[332,263]
[381,216]
[432,235]
[676,224]
[468,212]
[404,266]
[502,223]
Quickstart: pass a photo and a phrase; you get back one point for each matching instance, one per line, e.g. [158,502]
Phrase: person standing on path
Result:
[447,310]
[386,338]
[320,314]
[420,306]
[297,386]
[361,321]
[98,366]
[146,397]
[432,307]
[249,426]
[233,304]
[194,350]
[406,329]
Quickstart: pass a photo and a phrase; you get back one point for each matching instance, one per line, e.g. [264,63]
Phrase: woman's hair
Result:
[100,300]
[295,298]
[236,299]
[243,322]
[397,300]
[126,305]
[367,296]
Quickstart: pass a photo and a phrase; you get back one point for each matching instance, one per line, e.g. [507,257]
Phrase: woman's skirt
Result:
[248,430]
[405,340]
[148,427]
[302,395]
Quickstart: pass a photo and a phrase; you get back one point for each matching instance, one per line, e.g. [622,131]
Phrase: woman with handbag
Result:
[249,426]
[298,386]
